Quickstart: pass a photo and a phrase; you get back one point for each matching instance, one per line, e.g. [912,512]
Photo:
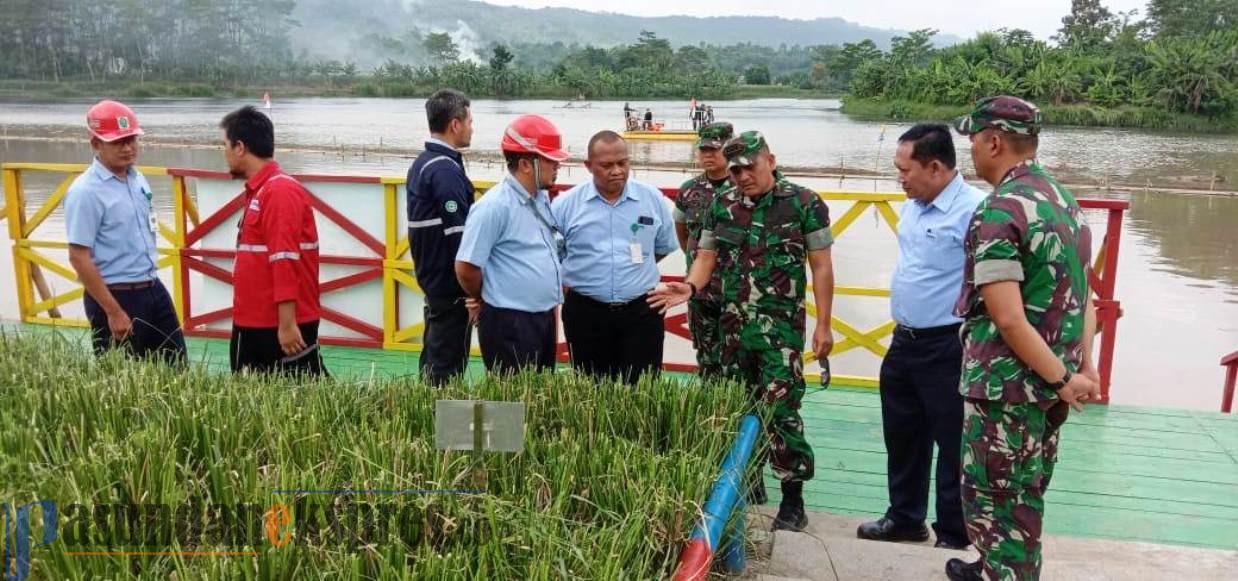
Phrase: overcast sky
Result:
[961,17]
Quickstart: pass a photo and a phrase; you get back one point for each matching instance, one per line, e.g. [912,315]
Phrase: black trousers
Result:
[622,341]
[512,340]
[156,330]
[446,341]
[920,406]
[257,349]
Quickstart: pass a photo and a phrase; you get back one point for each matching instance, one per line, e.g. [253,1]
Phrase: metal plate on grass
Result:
[502,425]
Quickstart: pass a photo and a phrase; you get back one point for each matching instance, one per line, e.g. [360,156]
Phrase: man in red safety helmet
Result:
[509,257]
[275,302]
[113,234]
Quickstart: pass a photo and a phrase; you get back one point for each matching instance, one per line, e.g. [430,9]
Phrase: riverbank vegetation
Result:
[1176,69]
[608,485]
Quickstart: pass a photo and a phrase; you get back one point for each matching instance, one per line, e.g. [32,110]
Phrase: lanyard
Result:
[548,224]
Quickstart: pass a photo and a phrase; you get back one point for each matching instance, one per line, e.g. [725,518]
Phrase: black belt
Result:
[638,301]
[928,331]
[124,286]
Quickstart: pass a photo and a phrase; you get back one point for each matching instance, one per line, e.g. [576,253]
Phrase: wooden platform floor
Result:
[1129,473]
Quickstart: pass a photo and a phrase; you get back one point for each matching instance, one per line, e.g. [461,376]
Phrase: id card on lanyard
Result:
[151,215]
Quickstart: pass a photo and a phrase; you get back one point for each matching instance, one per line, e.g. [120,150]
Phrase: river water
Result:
[1178,268]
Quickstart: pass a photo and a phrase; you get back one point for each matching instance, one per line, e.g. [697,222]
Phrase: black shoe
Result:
[791,516]
[960,570]
[885,529]
[954,546]
[756,492]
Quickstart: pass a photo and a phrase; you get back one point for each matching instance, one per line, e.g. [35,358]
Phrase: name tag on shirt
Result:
[638,255]
[154,221]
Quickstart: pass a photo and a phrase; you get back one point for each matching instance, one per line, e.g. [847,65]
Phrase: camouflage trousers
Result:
[1009,451]
[704,320]
[775,377]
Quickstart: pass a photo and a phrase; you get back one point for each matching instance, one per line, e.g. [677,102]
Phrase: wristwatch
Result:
[1058,385]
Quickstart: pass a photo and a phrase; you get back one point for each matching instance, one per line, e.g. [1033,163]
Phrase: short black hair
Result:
[445,105]
[603,136]
[251,127]
[513,159]
[1022,143]
[931,141]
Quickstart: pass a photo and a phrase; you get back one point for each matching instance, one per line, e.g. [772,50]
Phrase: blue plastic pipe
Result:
[698,555]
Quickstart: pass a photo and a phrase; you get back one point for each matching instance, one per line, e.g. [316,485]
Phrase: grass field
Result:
[608,486]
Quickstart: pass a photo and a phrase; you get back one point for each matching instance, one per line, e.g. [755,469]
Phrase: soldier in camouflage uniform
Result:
[691,208]
[759,237]
[1027,334]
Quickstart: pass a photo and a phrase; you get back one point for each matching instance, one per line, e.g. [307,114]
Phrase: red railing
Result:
[381,255]
[1230,362]
[1104,279]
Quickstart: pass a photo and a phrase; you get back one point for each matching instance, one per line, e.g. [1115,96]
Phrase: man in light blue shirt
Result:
[112,233]
[920,401]
[509,257]
[617,230]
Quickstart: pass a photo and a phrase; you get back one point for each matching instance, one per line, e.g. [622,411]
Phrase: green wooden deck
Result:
[1127,473]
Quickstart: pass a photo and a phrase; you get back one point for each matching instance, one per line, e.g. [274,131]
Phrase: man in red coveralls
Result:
[275,308]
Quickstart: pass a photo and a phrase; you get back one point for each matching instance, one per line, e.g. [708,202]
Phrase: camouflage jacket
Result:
[691,208]
[762,247]
[1029,230]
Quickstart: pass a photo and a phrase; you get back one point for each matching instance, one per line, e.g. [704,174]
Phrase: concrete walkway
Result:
[829,551]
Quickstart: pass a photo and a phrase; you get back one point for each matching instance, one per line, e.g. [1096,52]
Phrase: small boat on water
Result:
[661,135]
[645,127]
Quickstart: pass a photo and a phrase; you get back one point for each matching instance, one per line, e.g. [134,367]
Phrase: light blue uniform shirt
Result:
[113,218]
[929,274]
[514,249]
[600,236]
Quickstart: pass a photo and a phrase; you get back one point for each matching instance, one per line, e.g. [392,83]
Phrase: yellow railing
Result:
[29,261]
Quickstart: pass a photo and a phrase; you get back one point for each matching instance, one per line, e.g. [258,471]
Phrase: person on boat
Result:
[760,236]
[1028,324]
[275,299]
[648,126]
[709,114]
[439,197]
[617,230]
[692,205]
[113,232]
[920,401]
[510,254]
[628,111]
[698,116]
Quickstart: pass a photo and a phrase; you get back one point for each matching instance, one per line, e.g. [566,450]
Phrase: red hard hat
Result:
[112,121]
[534,134]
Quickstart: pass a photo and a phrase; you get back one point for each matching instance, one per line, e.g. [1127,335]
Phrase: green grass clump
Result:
[608,486]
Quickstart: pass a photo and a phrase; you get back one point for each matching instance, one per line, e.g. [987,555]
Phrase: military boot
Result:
[960,570]
[791,515]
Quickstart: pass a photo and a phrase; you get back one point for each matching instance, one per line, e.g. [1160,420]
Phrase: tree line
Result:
[1181,56]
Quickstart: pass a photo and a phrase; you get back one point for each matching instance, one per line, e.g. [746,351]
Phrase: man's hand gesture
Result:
[668,295]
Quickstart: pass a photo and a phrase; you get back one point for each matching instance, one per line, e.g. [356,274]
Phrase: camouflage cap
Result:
[743,149]
[714,135]
[1004,113]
